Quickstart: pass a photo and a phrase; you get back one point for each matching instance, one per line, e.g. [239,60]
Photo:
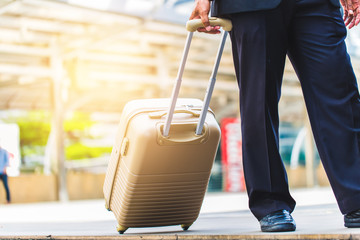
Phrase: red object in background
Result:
[231,151]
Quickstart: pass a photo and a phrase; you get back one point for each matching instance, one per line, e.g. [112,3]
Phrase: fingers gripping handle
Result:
[193,25]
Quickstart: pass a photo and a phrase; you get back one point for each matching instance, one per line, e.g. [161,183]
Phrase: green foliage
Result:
[76,128]
[80,151]
[35,128]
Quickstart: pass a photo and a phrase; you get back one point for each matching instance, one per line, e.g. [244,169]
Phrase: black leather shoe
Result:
[279,221]
[352,220]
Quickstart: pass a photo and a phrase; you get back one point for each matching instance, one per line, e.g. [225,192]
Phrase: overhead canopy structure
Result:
[100,59]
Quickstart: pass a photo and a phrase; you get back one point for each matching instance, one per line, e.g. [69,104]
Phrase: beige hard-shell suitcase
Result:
[162,157]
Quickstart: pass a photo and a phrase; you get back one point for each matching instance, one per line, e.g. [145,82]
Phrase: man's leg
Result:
[259,49]
[318,53]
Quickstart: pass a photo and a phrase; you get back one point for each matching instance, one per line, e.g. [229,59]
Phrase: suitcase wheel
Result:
[107,207]
[185,226]
[121,229]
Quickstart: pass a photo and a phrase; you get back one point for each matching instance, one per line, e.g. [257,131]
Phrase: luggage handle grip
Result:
[194,24]
[163,113]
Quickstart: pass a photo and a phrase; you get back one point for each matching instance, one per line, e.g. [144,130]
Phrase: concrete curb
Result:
[192,237]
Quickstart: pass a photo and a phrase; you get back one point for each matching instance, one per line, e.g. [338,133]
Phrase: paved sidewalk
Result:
[223,216]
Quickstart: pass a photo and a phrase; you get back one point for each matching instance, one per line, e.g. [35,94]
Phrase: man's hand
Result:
[201,11]
[351,12]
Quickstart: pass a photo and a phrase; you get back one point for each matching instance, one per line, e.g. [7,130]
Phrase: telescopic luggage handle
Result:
[192,26]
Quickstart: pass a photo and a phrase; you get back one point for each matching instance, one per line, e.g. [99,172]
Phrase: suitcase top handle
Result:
[193,25]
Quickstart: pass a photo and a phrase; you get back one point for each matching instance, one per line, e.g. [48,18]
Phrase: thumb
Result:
[205,20]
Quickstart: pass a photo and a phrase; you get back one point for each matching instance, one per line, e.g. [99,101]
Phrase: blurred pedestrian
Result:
[311,33]
[4,163]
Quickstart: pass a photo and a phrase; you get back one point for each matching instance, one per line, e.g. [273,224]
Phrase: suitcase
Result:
[162,157]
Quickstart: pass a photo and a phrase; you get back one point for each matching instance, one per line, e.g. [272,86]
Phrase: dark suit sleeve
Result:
[224,7]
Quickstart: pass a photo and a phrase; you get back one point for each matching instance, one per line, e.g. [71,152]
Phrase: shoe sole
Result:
[352,225]
[286,227]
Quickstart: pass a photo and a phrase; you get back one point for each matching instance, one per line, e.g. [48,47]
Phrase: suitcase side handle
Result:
[194,24]
[182,134]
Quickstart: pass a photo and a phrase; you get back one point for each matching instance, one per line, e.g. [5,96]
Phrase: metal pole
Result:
[210,88]
[177,86]
[58,121]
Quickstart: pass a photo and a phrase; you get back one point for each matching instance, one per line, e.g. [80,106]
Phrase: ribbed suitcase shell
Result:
[154,180]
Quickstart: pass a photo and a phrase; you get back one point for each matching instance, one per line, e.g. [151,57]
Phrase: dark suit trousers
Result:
[311,33]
